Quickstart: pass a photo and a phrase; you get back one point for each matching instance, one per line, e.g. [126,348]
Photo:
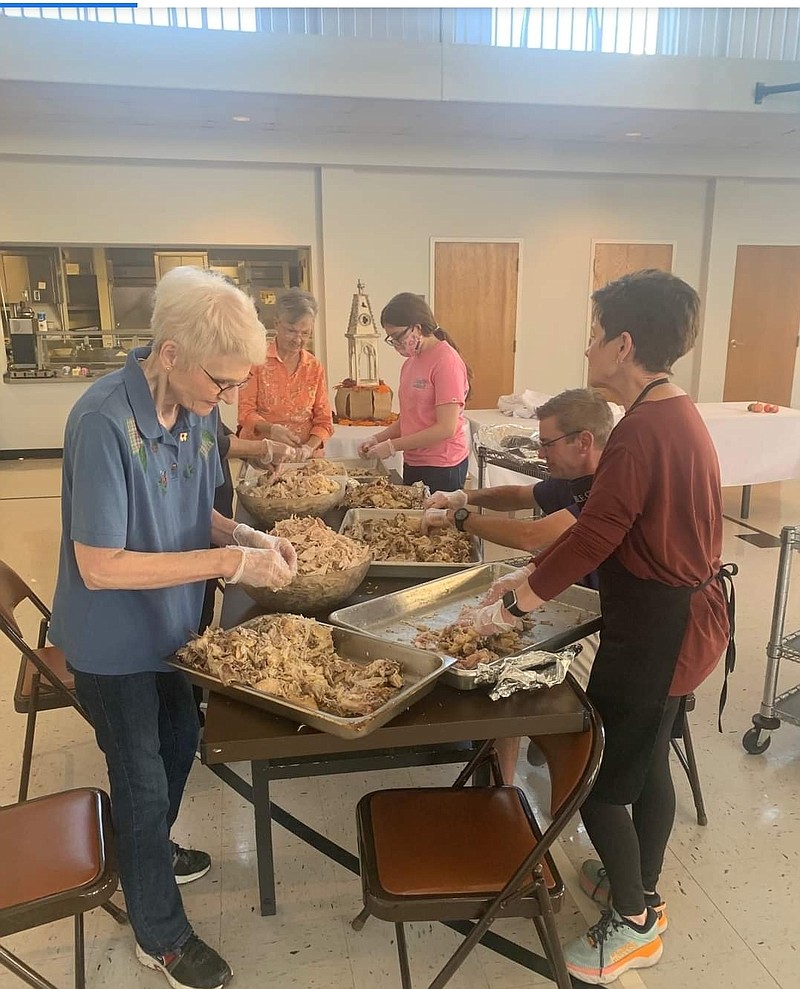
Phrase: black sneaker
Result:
[194,966]
[189,864]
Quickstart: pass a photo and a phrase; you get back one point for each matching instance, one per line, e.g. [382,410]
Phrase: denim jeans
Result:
[438,478]
[146,725]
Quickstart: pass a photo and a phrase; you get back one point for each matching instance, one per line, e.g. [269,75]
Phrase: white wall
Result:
[745,212]
[377,226]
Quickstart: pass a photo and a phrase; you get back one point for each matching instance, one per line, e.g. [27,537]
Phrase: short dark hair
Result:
[659,311]
[579,409]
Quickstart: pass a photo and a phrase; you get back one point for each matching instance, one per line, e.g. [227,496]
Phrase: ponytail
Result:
[443,335]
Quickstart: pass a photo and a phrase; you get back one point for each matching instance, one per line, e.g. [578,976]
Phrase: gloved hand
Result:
[246,535]
[365,448]
[434,518]
[262,568]
[446,499]
[383,450]
[276,453]
[494,618]
[282,434]
[509,582]
[303,452]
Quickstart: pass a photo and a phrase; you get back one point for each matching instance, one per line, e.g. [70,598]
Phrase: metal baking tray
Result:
[567,618]
[362,468]
[410,568]
[421,670]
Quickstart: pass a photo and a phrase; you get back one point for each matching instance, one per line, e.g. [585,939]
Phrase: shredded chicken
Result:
[320,550]
[400,539]
[292,484]
[294,658]
[381,494]
[364,470]
[462,641]
[319,465]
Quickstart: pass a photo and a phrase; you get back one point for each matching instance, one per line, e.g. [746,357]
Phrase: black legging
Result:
[632,848]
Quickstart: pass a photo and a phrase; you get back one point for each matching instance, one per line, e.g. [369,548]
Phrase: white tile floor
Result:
[730,886]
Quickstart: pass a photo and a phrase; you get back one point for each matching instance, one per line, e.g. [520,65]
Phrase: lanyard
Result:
[646,390]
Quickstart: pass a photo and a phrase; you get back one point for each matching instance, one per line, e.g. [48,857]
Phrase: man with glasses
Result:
[573,429]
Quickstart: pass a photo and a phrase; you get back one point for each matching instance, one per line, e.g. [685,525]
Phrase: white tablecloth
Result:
[752,448]
[346,439]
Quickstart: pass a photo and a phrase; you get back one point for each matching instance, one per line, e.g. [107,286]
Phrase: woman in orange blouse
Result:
[286,398]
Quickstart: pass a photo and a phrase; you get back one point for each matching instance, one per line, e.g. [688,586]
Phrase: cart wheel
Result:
[753,742]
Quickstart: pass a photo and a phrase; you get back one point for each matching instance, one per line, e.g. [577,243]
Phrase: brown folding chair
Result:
[474,853]
[56,861]
[686,757]
[44,683]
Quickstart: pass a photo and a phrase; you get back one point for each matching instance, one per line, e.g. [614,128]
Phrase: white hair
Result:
[207,316]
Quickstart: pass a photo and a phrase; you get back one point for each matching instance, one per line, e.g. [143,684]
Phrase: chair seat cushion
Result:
[50,846]
[56,661]
[433,841]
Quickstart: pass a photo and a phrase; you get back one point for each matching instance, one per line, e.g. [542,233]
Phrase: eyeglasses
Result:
[544,444]
[395,339]
[222,386]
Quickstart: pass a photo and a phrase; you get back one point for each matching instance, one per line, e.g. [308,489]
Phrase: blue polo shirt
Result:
[129,483]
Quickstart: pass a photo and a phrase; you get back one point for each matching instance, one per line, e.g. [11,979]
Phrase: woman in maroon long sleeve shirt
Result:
[653,527]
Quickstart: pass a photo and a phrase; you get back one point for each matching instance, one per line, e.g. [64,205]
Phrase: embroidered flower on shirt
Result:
[162,482]
[207,442]
[138,449]
[188,471]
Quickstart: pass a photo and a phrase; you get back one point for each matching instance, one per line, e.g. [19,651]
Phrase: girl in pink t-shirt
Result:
[434,384]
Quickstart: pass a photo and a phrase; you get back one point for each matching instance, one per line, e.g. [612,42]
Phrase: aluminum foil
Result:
[529,671]
[499,437]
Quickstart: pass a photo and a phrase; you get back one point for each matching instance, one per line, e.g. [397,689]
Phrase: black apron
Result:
[644,623]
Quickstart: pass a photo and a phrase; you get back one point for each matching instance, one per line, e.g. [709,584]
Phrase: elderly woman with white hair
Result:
[286,399]
[140,469]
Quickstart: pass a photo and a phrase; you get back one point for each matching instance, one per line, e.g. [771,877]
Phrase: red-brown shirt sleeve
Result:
[618,496]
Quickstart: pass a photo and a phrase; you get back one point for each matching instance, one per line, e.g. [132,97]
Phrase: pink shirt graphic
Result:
[435,376]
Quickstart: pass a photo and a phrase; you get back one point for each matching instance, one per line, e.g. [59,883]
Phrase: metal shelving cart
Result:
[778,708]
[521,465]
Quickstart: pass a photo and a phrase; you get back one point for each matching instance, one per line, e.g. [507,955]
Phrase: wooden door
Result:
[765,322]
[612,261]
[475,300]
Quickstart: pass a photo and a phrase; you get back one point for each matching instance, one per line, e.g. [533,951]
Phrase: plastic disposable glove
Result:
[283,435]
[262,568]
[446,499]
[303,452]
[246,535]
[365,448]
[434,518]
[383,450]
[509,582]
[494,618]
[276,453]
